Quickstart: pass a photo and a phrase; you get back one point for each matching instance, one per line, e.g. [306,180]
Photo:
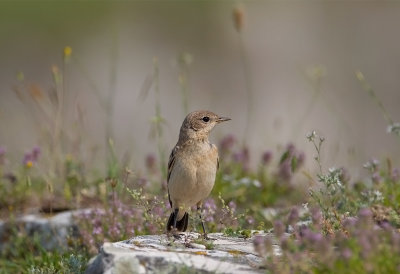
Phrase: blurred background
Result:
[278,69]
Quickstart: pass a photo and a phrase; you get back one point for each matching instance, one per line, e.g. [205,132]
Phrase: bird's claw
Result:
[176,236]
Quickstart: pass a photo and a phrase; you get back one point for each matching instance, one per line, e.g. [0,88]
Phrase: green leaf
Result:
[284,157]
[294,163]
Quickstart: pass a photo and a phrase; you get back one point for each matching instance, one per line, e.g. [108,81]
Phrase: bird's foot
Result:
[177,236]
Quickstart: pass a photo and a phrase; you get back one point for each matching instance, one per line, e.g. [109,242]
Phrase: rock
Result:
[52,232]
[166,254]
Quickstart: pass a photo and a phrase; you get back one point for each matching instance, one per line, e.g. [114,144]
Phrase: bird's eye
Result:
[206,119]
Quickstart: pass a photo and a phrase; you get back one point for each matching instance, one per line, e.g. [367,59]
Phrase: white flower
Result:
[394,128]
[378,195]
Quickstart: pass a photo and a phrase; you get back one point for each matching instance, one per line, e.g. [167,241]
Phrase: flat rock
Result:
[52,231]
[188,253]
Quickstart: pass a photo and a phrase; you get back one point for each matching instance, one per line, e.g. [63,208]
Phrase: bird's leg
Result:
[202,223]
[174,230]
[175,218]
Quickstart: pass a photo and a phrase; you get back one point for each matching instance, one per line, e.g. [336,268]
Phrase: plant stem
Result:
[158,118]
[109,103]
[374,97]
[248,87]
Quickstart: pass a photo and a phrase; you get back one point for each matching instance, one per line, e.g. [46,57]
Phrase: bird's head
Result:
[198,124]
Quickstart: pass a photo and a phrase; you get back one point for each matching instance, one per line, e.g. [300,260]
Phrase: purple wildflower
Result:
[151,162]
[315,237]
[115,230]
[365,217]
[242,157]
[209,208]
[266,157]
[301,158]
[152,228]
[227,143]
[290,149]
[141,182]
[97,230]
[209,204]
[365,244]
[349,223]
[27,160]
[376,178]
[35,153]
[250,220]
[395,174]
[346,253]
[258,240]
[127,213]
[259,244]
[232,206]
[209,218]
[279,228]
[316,216]
[31,157]
[284,242]
[365,213]
[293,216]
[158,211]
[304,232]
[285,171]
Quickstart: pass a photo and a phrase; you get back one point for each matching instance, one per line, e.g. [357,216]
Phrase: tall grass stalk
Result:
[184,61]
[392,126]
[105,101]
[248,87]
[110,101]
[373,96]
[158,119]
[238,20]
[314,76]
[317,145]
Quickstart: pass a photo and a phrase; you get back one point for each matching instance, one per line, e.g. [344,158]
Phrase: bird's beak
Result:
[222,119]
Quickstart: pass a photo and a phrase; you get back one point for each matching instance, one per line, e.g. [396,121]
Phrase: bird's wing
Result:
[216,149]
[171,163]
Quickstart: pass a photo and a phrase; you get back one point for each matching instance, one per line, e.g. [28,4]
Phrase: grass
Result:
[126,204]
[342,214]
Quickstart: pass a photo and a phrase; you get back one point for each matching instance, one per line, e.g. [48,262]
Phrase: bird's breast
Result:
[193,176]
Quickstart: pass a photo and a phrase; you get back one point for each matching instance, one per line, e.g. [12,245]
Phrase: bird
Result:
[192,167]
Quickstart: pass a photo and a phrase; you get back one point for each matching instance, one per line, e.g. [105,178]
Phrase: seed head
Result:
[238,17]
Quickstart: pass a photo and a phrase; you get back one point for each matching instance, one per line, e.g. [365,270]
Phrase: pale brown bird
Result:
[192,167]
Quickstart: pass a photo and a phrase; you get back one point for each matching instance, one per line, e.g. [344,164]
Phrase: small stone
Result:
[198,246]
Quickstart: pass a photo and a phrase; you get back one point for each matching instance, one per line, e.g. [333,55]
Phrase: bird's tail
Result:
[181,225]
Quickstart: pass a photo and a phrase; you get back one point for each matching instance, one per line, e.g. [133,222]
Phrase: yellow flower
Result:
[67,52]
[69,158]
[29,164]
[360,76]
